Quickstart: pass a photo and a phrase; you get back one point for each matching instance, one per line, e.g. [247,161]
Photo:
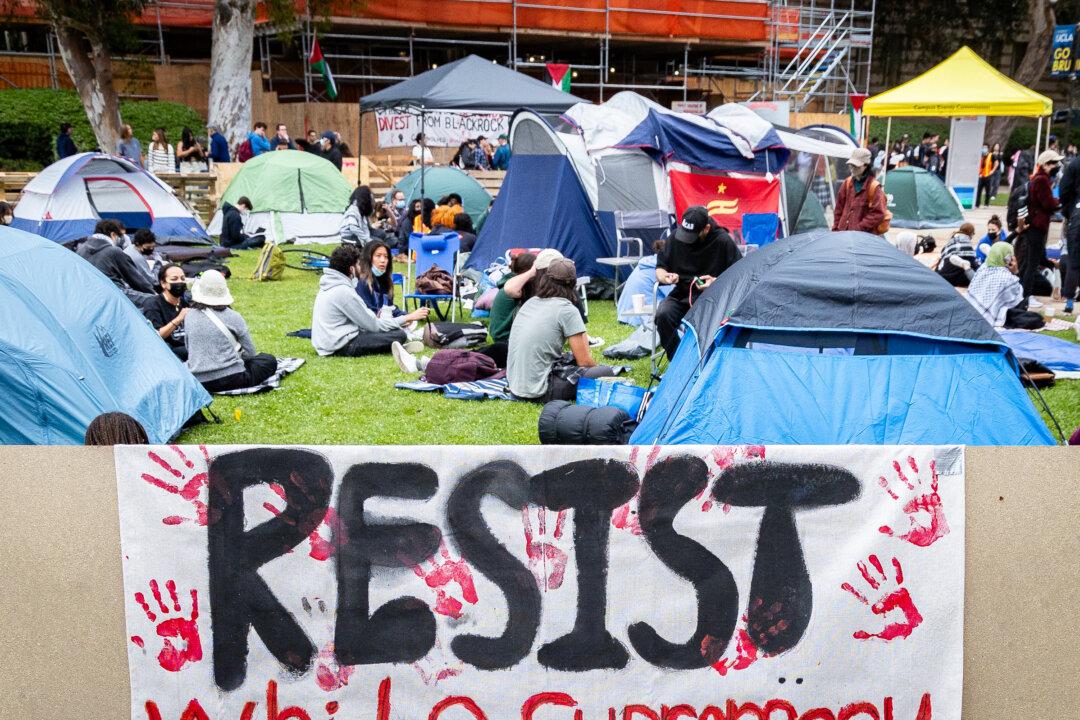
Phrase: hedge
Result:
[30,120]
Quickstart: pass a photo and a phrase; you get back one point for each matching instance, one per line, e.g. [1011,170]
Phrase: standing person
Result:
[221,354]
[130,147]
[479,159]
[312,144]
[342,145]
[258,140]
[987,168]
[501,161]
[545,323]
[943,165]
[168,309]
[1071,257]
[330,150]
[281,139]
[700,252]
[101,250]
[999,167]
[421,153]
[341,324]
[461,157]
[1041,205]
[143,252]
[233,219]
[860,202]
[219,146]
[160,157]
[65,146]
[190,155]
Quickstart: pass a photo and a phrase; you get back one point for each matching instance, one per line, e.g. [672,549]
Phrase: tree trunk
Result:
[90,67]
[230,69]
[1032,67]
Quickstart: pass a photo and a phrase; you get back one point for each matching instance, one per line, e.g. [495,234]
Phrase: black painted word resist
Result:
[403,630]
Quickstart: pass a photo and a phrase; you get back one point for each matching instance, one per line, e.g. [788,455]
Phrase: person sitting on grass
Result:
[103,252]
[541,327]
[996,289]
[993,235]
[375,280]
[341,324]
[504,307]
[232,227]
[958,261]
[143,252]
[167,311]
[221,354]
[355,225]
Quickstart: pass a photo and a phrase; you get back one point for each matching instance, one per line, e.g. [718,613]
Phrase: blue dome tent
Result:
[73,347]
[838,338]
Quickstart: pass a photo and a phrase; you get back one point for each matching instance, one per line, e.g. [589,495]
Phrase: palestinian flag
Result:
[560,76]
[319,65]
[855,117]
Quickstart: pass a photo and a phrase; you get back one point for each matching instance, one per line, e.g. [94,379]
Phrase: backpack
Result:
[883,226]
[244,152]
[454,335]
[452,366]
[435,281]
[271,263]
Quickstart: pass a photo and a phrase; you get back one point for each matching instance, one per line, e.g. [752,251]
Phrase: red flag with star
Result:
[727,198]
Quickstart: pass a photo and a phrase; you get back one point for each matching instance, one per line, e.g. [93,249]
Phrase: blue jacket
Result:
[65,146]
[259,144]
[375,298]
[219,148]
[501,161]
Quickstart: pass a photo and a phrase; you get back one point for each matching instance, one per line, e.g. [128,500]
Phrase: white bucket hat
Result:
[210,289]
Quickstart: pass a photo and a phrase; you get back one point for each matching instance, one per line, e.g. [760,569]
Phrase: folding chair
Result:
[759,228]
[433,251]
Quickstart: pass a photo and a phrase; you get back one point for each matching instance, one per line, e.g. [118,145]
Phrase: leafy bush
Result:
[30,120]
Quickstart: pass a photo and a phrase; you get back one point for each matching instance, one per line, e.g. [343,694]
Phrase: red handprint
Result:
[889,600]
[322,542]
[437,666]
[546,559]
[445,571]
[625,517]
[330,676]
[188,483]
[724,457]
[171,657]
[743,656]
[922,531]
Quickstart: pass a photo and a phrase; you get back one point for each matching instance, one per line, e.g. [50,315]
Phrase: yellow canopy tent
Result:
[962,85]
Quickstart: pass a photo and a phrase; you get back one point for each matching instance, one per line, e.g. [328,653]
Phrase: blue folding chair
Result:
[759,228]
[433,251]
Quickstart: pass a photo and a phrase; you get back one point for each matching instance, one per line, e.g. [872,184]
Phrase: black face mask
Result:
[177,289]
[992,235]
[1054,170]
[149,250]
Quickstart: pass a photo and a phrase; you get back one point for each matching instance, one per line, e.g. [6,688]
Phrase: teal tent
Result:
[440,181]
[918,200]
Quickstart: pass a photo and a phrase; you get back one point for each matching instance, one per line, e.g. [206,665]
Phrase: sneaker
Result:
[422,363]
[595,341]
[414,346]
[404,359]
[1033,303]
[1069,306]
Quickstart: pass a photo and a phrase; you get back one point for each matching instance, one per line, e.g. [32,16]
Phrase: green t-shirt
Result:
[501,317]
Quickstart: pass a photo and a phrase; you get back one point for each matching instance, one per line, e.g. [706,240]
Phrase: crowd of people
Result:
[473,154]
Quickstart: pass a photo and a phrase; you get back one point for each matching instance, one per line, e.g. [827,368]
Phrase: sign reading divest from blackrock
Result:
[548,583]
[442,128]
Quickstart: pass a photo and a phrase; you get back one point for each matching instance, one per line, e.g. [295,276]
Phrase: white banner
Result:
[614,583]
[443,128]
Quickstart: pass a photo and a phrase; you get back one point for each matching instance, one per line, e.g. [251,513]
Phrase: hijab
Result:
[999,254]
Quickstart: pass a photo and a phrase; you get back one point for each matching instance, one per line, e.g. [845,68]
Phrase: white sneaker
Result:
[414,346]
[404,359]
[595,341]
[1033,303]
[422,363]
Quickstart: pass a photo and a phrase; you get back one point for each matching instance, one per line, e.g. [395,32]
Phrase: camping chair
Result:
[626,224]
[759,228]
[432,251]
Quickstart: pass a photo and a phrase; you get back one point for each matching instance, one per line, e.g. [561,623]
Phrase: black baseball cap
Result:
[694,220]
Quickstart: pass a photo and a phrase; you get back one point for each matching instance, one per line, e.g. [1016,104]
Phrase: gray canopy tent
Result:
[471,83]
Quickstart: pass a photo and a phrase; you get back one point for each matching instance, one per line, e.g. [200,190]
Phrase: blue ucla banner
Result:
[1062,63]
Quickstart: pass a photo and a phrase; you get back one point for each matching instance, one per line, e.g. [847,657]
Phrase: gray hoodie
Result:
[339,315]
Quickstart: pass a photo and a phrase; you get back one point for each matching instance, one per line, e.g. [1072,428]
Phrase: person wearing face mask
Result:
[341,324]
[355,224]
[232,226]
[993,235]
[101,251]
[7,213]
[143,252]
[1041,205]
[860,202]
[988,165]
[166,312]
[374,280]
[395,211]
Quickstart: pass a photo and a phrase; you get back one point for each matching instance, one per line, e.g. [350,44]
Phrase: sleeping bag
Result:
[564,423]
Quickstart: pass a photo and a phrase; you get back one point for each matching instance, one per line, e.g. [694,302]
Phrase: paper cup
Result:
[1049,311]
[639,301]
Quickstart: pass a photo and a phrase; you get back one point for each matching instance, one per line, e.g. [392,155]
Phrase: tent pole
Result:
[829,179]
[1038,135]
[783,206]
[888,152]
[423,156]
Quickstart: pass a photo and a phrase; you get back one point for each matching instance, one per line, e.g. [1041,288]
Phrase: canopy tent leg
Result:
[423,157]
[1038,135]
[888,152]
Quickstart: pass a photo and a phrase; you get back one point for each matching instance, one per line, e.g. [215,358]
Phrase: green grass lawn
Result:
[353,401]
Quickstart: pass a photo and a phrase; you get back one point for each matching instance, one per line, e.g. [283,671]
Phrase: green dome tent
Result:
[918,200]
[439,181]
[294,195]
